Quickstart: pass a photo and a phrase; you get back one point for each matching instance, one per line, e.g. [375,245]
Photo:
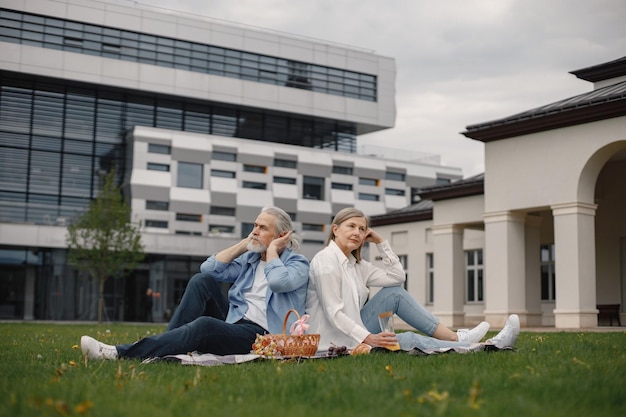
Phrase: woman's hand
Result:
[383,339]
[372,236]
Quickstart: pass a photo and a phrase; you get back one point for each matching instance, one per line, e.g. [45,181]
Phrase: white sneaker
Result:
[97,350]
[508,335]
[474,335]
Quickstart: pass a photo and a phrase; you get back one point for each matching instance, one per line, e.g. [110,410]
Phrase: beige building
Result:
[543,232]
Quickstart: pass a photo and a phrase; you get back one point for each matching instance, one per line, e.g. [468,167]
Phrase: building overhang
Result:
[401,217]
[507,128]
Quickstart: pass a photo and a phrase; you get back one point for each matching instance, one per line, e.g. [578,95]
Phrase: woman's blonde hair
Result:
[341,217]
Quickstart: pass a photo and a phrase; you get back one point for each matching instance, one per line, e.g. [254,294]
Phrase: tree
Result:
[102,240]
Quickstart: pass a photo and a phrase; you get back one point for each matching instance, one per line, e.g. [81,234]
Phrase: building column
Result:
[505,267]
[575,265]
[533,271]
[449,279]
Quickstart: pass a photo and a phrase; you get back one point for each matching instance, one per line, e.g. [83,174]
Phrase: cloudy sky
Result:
[459,62]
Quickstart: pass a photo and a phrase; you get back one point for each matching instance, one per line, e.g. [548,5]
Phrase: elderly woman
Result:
[342,313]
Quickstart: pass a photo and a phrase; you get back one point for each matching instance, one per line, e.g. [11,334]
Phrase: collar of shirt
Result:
[345,260]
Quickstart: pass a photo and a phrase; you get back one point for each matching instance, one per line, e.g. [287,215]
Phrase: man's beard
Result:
[256,247]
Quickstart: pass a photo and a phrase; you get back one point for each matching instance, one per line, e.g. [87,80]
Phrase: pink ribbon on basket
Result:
[299,326]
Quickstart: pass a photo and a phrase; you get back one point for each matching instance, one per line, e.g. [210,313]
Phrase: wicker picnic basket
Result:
[287,345]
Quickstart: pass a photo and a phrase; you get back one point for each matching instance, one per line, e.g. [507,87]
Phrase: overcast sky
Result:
[458,62]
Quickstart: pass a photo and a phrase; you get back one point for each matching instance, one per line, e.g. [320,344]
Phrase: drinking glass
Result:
[386,325]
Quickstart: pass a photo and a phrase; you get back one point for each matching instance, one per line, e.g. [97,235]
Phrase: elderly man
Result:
[268,279]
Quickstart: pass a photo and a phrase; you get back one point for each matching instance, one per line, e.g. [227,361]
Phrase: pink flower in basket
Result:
[299,326]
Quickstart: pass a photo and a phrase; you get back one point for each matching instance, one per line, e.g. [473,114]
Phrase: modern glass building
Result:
[204,122]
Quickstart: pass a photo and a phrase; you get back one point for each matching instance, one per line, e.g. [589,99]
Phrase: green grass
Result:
[549,374]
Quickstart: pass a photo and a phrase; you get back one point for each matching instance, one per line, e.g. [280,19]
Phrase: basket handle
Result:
[287,317]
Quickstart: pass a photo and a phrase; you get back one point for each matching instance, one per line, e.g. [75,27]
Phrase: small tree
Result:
[103,241]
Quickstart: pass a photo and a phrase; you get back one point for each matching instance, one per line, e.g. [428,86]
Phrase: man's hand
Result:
[278,245]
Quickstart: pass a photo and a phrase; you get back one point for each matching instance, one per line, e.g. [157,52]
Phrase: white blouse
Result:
[339,288]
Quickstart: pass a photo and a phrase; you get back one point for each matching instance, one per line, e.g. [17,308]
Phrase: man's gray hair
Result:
[283,224]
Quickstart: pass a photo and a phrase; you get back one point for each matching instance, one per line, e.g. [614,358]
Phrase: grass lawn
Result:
[43,373]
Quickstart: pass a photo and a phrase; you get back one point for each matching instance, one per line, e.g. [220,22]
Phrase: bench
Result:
[610,312]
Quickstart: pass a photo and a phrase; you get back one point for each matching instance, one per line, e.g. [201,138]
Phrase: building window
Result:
[369,197]
[157,205]
[548,276]
[313,188]
[474,274]
[368,181]
[162,149]
[404,260]
[415,197]
[156,223]
[225,156]
[310,227]
[187,233]
[184,217]
[222,211]
[222,173]
[341,186]
[285,163]
[255,168]
[394,191]
[442,181]
[430,278]
[342,170]
[219,228]
[246,229]
[395,176]
[254,185]
[313,241]
[115,113]
[126,45]
[284,180]
[158,167]
[189,175]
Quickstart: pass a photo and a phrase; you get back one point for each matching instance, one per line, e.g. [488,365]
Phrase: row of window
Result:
[227,229]
[283,163]
[189,175]
[57,138]
[89,39]
[197,218]
[46,108]
[474,275]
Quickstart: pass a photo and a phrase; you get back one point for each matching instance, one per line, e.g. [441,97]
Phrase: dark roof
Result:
[462,188]
[602,103]
[423,209]
[602,72]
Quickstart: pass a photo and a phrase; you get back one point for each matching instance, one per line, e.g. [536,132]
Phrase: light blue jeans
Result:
[400,302]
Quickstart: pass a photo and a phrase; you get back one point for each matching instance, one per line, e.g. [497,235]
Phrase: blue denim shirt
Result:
[287,279]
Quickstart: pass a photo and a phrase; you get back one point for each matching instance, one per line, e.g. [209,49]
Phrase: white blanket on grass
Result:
[209,359]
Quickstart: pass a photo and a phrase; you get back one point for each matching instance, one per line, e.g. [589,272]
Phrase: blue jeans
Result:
[400,302]
[198,325]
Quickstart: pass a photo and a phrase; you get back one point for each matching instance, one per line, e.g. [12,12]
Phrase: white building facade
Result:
[542,233]
[205,123]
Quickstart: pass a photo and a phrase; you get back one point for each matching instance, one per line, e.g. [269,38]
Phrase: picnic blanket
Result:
[209,359]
